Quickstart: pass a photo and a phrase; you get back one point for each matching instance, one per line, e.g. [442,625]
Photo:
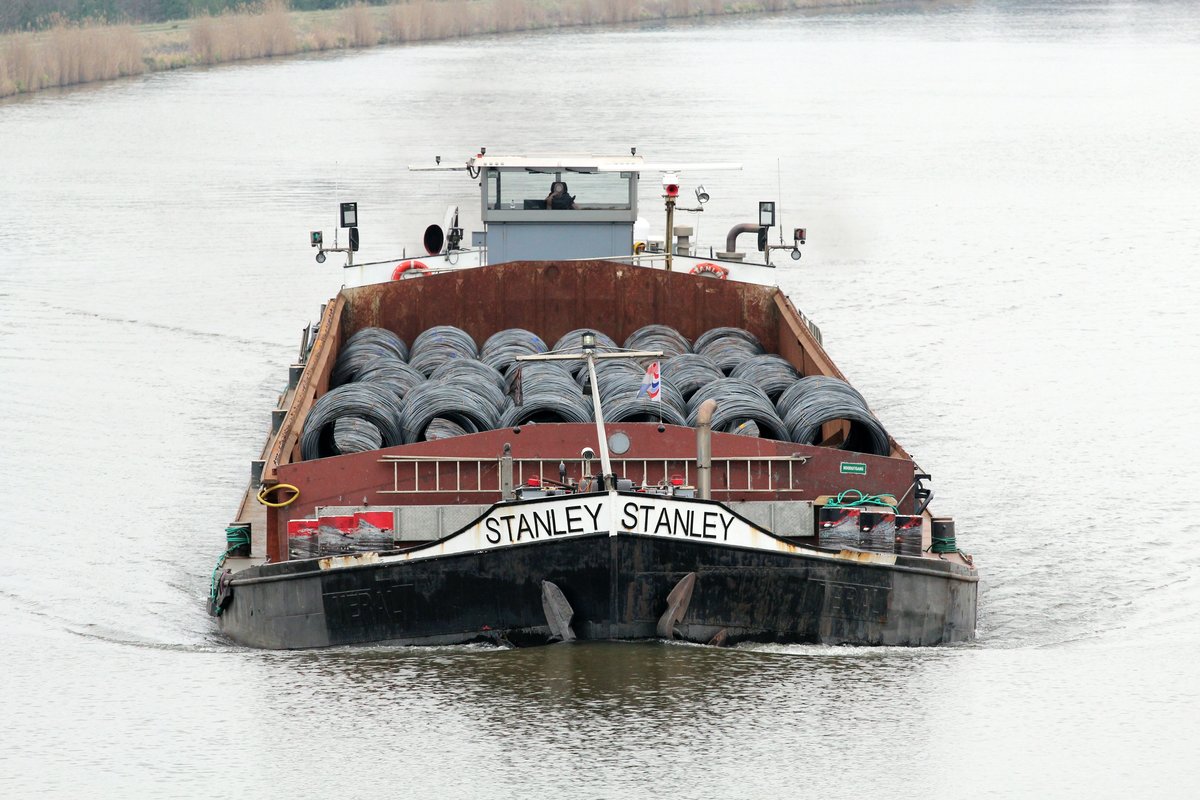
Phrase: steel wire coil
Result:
[355,435]
[572,342]
[610,367]
[364,350]
[710,335]
[738,401]
[552,404]
[769,372]
[439,344]
[828,400]
[394,374]
[466,404]
[372,402]
[689,371]
[805,385]
[538,375]
[439,428]
[729,350]
[502,347]
[643,409]
[464,370]
[659,337]
[622,386]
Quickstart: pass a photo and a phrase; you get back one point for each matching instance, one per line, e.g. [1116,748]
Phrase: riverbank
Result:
[69,55]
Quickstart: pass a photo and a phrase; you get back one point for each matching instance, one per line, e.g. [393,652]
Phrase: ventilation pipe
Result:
[704,448]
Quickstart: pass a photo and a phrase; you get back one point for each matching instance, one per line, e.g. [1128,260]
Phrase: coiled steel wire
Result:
[548,394]
[394,374]
[365,349]
[550,404]
[707,338]
[572,342]
[643,409]
[618,386]
[738,401]
[729,348]
[461,370]
[689,371]
[502,347]
[820,399]
[439,344]
[372,402]
[355,435]
[805,385]
[769,372]
[659,337]
[472,409]
[439,428]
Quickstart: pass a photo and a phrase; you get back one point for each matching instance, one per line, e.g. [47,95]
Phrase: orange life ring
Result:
[407,266]
[709,268]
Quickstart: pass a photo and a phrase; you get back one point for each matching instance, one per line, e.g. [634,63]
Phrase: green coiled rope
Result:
[853,498]
[235,536]
[944,545]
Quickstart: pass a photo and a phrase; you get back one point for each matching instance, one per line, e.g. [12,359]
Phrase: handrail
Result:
[488,481]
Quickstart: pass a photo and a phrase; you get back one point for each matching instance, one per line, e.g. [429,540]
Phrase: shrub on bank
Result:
[72,53]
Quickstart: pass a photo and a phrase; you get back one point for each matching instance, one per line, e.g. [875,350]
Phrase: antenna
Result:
[779,196]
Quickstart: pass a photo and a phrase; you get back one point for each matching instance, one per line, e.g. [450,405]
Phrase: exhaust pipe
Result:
[704,448]
[735,231]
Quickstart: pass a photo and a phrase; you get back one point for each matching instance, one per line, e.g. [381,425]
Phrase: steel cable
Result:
[364,350]
[729,348]
[738,402]
[394,374]
[355,435]
[372,402]
[471,410]
[439,344]
[461,370]
[707,338]
[769,372]
[820,399]
[502,348]
[689,371]
[659,337]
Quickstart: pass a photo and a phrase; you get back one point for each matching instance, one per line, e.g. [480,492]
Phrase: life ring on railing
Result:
[639,248]
[404,267]
[709,268]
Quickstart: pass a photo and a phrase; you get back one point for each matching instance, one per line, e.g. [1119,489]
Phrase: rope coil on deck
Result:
[266,490]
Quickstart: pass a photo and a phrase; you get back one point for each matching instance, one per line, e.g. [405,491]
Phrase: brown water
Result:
[1002,206]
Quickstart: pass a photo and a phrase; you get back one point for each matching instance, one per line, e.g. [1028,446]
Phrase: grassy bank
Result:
[70,54]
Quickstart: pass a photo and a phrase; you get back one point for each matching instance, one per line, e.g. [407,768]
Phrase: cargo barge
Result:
[569,430]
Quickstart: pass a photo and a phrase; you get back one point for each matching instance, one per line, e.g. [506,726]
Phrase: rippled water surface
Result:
[1002,205]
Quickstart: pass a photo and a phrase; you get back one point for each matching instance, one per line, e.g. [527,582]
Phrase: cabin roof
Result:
[576,161]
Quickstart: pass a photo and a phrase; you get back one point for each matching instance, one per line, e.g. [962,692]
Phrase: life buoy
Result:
[405,267]
[709,268]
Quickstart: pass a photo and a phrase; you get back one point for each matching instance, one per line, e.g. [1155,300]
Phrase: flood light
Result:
[349,215]
[766,214]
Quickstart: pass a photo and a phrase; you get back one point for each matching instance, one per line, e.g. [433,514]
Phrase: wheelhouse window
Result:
[528,189]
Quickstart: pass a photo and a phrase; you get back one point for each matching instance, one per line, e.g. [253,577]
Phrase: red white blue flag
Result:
[651,383]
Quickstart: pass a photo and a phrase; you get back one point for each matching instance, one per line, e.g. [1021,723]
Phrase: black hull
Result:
[617,587]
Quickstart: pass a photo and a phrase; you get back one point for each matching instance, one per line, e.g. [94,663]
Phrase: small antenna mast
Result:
[779,198]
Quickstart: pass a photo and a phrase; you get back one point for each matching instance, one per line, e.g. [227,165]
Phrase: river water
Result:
[1002,206]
